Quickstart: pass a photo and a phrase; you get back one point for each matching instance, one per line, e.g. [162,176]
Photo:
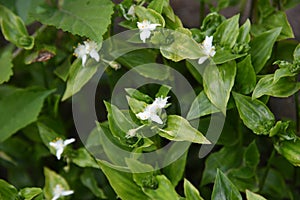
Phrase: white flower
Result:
[59,191]
[132,132]
[88,48]
[131,11]
[145,28]
[152,110]
[59,145]
[208,48]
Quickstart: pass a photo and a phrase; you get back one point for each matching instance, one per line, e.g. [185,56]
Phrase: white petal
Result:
[144,35]
[212,52]
[59,152]
[84,57]
[156,119]
[69,141]
[143,115]
[67,192]
[55,197]
[202,59]
[53,144]
[153,26]
[207,43]
[94,54]
[161,102]
[131,10]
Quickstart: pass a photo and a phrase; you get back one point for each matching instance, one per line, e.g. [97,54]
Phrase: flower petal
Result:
[59,151]
[156,119]
[152,27]
[144,34]
[67,192]
[202,59]
[84,57]
[69,141]
[94,54]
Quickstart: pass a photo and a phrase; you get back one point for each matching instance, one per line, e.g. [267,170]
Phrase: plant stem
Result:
[262,183]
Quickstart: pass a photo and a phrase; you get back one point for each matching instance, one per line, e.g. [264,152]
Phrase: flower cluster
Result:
[208,49]
[87,48]
[59,145]
[152,110]
[145,28]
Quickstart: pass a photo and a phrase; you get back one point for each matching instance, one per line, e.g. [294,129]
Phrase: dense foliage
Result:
[106,100]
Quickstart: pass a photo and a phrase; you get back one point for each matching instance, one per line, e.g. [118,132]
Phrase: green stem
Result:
[262,183]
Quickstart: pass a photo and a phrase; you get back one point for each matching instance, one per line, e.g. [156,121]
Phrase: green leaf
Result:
[290,150]
[5,65]
[30,193]
[252,196]
[78,77]
[21,108]
[165,190]
[82,158]
[122,183]
[177,46]
[261,48]
[154,71]
[255,114]
[190,192]
[179,129]
[223,56]
[218,82]
[135,105]
[283,72]
[296,53]
[89,18]
[244,36]
[136,94]
[245,80]
[277,19]
[224,188]
[163,91]
[88,179]
[157,5]
[228,32]
[150,15]
[175,171]
[284,87]
[14,29]
[51,180]
[8,191]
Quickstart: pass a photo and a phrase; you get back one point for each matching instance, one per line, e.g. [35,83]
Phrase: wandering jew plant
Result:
[156,103]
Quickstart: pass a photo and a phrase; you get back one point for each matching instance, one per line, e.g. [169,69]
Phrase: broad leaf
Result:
[284,87]
[165,189]
[122,183]
[157,5]
[218,82]
[89,18]
[179,129]
[224,188]
[88,179]
[290,150]
[227,33]
[136,94]
[261,48]
[223,56]
[8,191]
[14,29]
[51,180]
[78,77]
[5,65]
[82,158]
[21,108]
[252,196]
[150,15]
[244,36]
[30,193]
[255,114]
[190,192]
[245,80]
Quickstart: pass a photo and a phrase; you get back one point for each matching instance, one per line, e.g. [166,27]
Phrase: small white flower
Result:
[131,11]
[145,28]
[88,48]
[152,110]
[59,146]
[208,48]
[59,191]
[132,132]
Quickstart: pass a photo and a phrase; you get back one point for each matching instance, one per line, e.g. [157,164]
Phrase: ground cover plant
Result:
[105,99]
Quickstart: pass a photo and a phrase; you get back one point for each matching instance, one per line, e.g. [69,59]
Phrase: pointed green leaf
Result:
[284,87]
[179,129]
[150,15]
[88,179]
[245,80]
[134,93]
[30,193]
[283,72]
[244,36]
[21,108]
[223,56]
[290,150]
[163,91]
[261,48]
[82,158]
[218,82]
[296,53]
[190,192]
[252,196]
[255,114]
[89,18]
[5,65]
[165,190]
[14,29]
[51,180]
[224,188]
[122,183]
[228,31]
[8,191]
[157,5]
